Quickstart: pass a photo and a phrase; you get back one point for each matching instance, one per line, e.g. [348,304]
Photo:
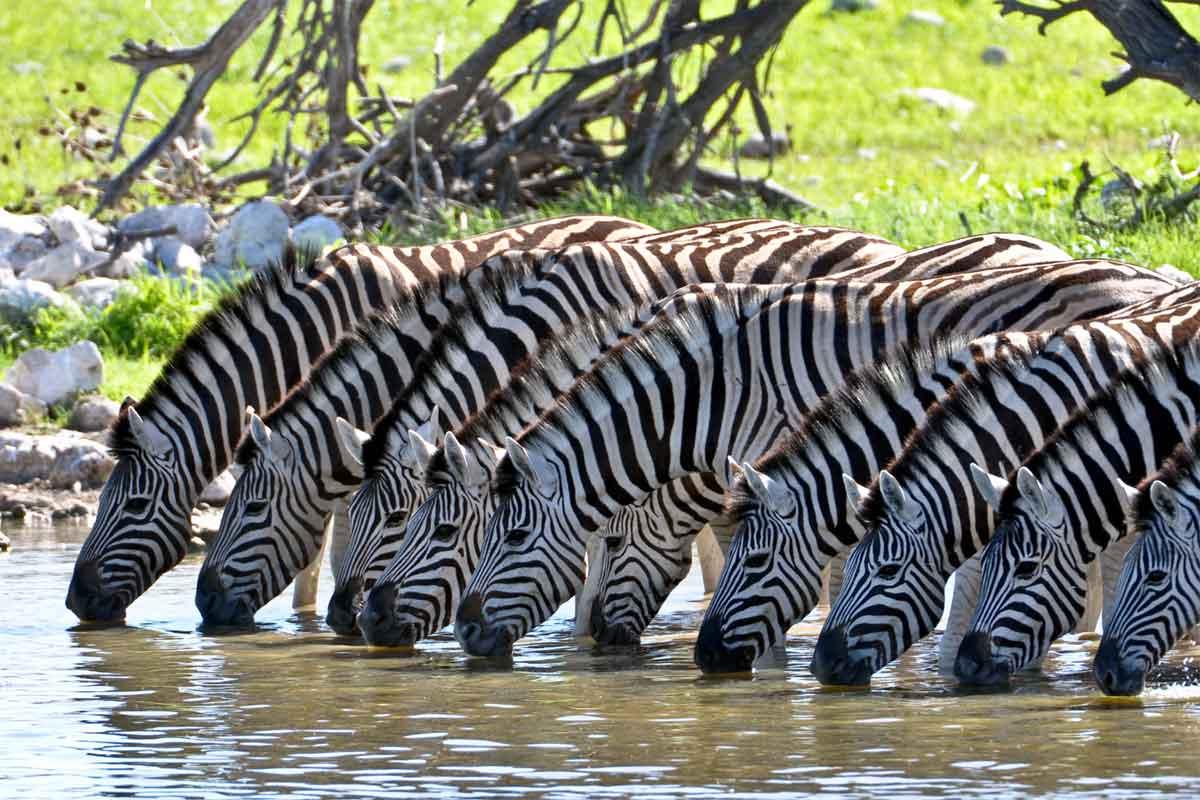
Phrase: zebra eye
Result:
[137,505]
[1027,569]
[444,533]
[394,519]
[612,543]
[1156,577]
[757,560]
[889,571]
[256,508]
[516,537]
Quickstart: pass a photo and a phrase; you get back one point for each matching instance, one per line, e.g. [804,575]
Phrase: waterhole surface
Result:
[159,708]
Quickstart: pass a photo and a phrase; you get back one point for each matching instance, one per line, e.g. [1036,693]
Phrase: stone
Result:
[5,543]
[69,224]
[757,146]
[397,64]
[1175,273]
[56,377]
[98,293]
[941,98]
[131,262]
[1116,191]
[64,264]
[192,222]
[995,55]
[255,238]
[316,233]
[175,255]
[920,17]
[14,226]
[853,5]
[217,493]
[92,413]
[18,408]
[21,299]
[28,67]
[23,251]
[62,460]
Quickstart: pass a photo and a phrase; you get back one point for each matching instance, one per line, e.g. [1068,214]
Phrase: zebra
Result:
[255,554]
[1158,594]
[690,391]
[250,350]
[1065,505]
[923,516]
[381,505]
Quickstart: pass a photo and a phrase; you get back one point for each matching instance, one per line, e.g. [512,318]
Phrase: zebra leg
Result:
[591,587]
[339,535]
[712,558]
[837,573]
[1111,562]
[962,607]
[304,588]
[1096,597]
[823,598]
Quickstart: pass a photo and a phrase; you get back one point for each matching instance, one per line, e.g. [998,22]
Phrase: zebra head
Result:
[532,559]
[417,592]
[769,581]
[272,528]
[1158,599]
[892,592]
[645,556]
[142,525]
[1034,580]
[394,463]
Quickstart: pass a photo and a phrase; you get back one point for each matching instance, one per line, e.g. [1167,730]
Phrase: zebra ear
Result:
[147,435]
[350,440]
[420,452]
[127,403]
[259,432]
[856,493]
[467,473]
[540,476]
[991,487]
[1166,503]
[1044,504]
[896,500]
[1126,495]
[431,429]
[770,492]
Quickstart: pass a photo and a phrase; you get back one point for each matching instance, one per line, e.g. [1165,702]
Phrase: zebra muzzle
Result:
[833,664]
[1115,675]
[975,664]
[88,600]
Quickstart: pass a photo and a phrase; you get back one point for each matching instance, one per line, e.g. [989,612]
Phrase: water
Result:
[157,708]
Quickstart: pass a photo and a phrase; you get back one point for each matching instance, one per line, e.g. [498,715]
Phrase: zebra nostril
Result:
[470,610]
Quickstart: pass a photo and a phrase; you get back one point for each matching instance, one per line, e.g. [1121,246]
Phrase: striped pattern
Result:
[725,380]
[1065,505]
[251,351]
[1158,595]
[393,483]
[924,515]
[256,555]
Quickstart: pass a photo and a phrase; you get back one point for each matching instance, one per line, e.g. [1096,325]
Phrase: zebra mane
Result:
[655,349]
[535,375]
[930,446]
[1098,412]
[1182,465]
[230,316]
[857,398]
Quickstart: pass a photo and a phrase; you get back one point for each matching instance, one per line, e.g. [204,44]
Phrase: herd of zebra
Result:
[483,429]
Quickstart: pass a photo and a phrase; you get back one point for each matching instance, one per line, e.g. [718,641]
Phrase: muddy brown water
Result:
[160,708]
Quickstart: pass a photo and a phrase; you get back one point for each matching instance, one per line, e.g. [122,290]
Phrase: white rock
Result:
[28,67]
[98,293]
[92,413]
[131,262]
[21,299]
[1175,273]
[63,459]
[757,146]
[256,236]
[174,255]
[17,408]
[316,233]
[995,55]
[919,17]
[397,64]
[853,5]
[217,493]
[64,264]
[55,377]
[943,99]
[192,223]
[69,224]
[17,225]
[22,251]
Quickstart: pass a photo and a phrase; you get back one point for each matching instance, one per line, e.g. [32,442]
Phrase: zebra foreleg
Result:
[596,553]
[1097,598]
[1111,562]
[962,607]
[712,558]
[835,577]
[304,588]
